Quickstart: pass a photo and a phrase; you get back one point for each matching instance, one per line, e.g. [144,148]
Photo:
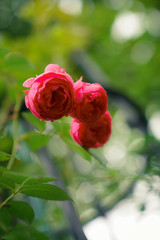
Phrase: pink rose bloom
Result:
[90,101]
[92,135]
[51,94]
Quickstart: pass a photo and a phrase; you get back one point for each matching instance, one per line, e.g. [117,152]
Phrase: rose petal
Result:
[92,135]
[54,68]
[90,102]
[79,83]
[51,94]
[28,82]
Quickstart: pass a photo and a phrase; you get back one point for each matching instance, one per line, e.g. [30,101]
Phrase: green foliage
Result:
[3,52]
[17,234]
[5,220]
[16,63]
[34,121]
[2,169]
[6,144]
[54,37]
[6,183]
[31,186]
[25,233]
[45,191]
[4,156]
[20,179]
[39,140]
[62,127]
[21,210]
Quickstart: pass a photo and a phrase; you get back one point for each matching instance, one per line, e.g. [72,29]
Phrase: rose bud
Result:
[51,94]
[92,135]
[90,101]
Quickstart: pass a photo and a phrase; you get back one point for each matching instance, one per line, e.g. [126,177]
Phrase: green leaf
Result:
[98,156]
[39,180]
[23,232]
[4,156]
[37,140]
[6,183]
[16,234]
[16,178]
[36,235]
[5,220]
[21,210]
[45,191]
[76,148]
[34,121]
[6,144]
[62,127]
[2,169]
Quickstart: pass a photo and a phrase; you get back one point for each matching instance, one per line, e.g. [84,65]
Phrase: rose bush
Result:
[51,94]
[90,101]
[92,135]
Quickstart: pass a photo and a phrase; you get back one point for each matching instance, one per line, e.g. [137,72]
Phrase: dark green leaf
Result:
[21,210]
[5,220]
[23,232]
[4,156]
[16,234]
[36,235]
[39,180]
[45,191]
[16,178]
[6,183]
[34,121]
[2,169]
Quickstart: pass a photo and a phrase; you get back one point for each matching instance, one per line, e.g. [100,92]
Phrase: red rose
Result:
[92,135]
[51,94]
[90,101]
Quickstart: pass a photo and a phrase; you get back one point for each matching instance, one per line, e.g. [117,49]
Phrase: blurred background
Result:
[115,43]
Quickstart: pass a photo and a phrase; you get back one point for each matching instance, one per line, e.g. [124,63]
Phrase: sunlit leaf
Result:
[98,156]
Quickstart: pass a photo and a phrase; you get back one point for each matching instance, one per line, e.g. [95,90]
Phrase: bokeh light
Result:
[128,25]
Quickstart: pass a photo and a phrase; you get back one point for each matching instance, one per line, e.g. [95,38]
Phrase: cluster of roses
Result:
[53,94]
